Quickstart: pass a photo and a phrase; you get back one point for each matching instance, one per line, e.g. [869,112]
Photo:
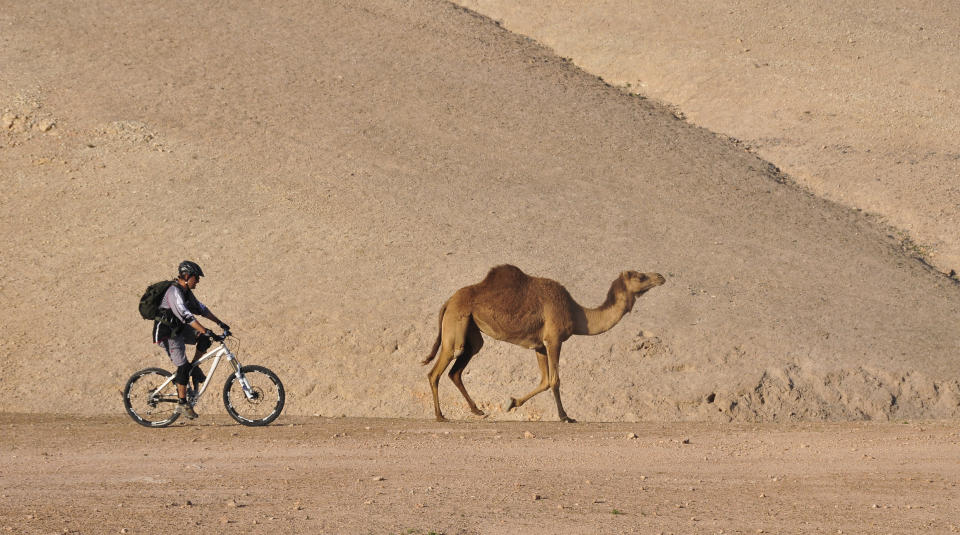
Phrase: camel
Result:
[531,312]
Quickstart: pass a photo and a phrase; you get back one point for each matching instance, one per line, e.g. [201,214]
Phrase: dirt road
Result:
[319,475]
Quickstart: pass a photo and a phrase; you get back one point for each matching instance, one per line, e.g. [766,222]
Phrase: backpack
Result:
[151,299]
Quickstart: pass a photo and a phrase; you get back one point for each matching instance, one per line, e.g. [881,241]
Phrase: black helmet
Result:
[188,268]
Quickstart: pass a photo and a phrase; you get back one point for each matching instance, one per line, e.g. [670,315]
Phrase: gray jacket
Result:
[182,303]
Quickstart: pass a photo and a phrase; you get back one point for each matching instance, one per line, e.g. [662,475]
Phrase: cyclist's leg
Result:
[176,349]
[202,343]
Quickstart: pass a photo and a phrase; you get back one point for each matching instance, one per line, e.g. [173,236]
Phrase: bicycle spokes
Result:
[150,398]
[254,395]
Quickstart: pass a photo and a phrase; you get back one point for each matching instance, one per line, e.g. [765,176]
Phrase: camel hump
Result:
[506,287]
[505,275]
[510,279]
[510,284]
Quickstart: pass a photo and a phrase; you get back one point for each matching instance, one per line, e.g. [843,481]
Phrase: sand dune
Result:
[856,101]
[340,170]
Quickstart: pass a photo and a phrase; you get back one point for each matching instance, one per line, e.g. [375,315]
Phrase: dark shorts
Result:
[176,346]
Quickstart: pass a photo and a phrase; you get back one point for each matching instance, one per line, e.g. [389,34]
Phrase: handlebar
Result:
[218,337]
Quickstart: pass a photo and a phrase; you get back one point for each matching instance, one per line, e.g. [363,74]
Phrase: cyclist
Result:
[180,328]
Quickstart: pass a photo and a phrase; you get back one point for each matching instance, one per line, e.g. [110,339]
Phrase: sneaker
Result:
[186,410]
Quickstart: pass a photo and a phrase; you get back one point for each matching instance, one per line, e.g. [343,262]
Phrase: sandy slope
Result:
[339,170]
[856,100]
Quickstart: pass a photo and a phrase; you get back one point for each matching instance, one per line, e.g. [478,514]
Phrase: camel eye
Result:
[641,277]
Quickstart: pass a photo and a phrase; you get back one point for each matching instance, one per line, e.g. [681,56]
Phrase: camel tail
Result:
[436,345]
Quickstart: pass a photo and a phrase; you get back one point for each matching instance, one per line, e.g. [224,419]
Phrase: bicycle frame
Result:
[216,354]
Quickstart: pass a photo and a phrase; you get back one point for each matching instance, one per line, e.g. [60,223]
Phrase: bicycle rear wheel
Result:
[146,403]
[265,399]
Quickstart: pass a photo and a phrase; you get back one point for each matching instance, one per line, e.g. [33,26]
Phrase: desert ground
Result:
[340,169]
[401,476]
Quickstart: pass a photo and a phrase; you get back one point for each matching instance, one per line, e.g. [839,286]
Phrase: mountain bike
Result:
[253,395]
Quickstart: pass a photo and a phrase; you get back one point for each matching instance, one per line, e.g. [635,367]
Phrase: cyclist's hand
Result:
[214,336]
[223,326]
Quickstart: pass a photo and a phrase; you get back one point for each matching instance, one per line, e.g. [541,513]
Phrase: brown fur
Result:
[531,312]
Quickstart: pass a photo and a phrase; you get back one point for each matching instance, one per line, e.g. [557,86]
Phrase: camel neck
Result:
[593,321]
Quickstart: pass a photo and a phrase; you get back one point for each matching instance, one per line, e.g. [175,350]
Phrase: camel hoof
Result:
[511,405]
[567,419]
[441,419]
[478,412]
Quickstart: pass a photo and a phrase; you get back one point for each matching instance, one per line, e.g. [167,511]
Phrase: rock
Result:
[631,435]
[528,434]
[379,478]
[7,119]
[45,125]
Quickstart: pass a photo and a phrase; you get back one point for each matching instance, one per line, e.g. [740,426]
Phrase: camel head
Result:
[637,284]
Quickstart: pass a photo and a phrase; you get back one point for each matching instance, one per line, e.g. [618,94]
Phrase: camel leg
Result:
[544,381]
[452,343]
[443,360]
[553,354]
[472,347]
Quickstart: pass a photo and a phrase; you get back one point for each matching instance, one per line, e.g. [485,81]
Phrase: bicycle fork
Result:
[242,379]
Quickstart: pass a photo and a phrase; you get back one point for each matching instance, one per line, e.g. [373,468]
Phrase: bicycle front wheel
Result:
[150,399]
[260,403]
